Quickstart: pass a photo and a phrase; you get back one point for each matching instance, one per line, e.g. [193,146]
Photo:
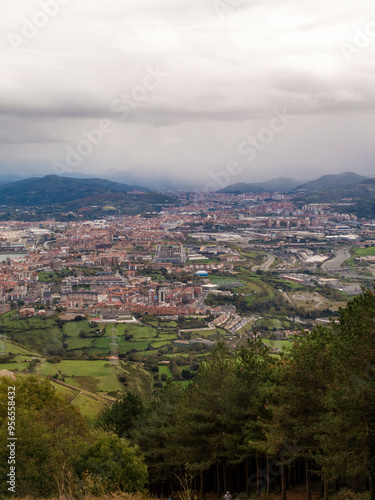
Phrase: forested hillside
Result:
[249,422]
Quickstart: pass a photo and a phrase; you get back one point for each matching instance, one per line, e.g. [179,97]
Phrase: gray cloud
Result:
[227,72]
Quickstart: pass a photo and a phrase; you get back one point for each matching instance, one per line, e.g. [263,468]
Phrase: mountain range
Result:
[284,184]
[78,194]
[331,181]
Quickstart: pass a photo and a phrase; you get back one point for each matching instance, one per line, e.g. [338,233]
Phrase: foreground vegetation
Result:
[249,422]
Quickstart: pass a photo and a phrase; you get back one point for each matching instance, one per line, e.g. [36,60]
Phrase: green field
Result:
[159,343]
[14,367]
[95,379]
[93,376]
[47,369]
[126,346]
[13,348]
[359,252]
[90,375]
[281,345]
[85,368]
[72,328]
[226,281]
[88,406]
[142,336]
[167,336]
[37,333]
[273,323]
[165,369]
[45,337]
[69,393]
[47,277]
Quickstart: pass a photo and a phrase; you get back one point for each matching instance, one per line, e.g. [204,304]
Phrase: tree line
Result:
[248,422]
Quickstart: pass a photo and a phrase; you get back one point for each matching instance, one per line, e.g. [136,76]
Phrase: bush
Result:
[111,464]
[187,374]
[194,366]
[53,360]
[346,494]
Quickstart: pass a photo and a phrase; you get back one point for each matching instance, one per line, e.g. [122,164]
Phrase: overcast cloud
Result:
[202,77]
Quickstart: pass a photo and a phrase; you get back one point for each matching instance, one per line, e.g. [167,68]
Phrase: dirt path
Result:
[86,393]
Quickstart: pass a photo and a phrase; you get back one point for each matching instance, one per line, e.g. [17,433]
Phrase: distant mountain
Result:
[6,179]
[54,189]
[156,177]
[241,188]
[280,184]
[357,198]
[331,181]
[284,184]
[65,198]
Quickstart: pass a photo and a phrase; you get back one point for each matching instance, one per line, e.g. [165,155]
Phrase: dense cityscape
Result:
[116,311]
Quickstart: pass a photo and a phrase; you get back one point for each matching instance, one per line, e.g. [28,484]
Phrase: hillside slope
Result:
[331,181]
[54,189]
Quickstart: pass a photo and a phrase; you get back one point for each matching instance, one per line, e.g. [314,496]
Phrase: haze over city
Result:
[174,92]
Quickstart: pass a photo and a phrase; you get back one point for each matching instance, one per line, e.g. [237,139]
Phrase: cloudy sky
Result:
[197,91]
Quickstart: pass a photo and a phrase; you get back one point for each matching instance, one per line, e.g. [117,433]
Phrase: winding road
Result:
[270,259]
[340,257]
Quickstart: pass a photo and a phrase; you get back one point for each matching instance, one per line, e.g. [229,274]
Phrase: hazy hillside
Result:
[242,187]
[361,196]
[6,179]
[279,184]
[331,181]
[54,189]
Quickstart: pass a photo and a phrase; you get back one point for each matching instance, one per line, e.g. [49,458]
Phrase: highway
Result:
[340,257]
[268,263]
